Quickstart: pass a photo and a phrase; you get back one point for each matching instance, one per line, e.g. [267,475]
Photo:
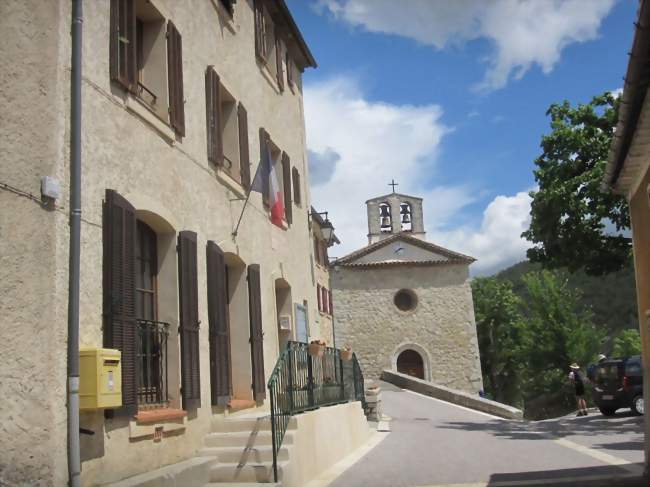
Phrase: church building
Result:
[405,304]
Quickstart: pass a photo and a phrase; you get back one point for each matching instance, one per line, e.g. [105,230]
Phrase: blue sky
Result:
[449,98]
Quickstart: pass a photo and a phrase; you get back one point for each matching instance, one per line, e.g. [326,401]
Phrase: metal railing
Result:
[301,382]
[152,362]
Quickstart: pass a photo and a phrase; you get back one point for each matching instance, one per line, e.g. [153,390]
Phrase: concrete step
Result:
[251,472]
[194,472]
[241,484]
[244,439]
[236,454]
[246,424]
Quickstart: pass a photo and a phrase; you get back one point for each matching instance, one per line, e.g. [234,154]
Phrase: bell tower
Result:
[394,213]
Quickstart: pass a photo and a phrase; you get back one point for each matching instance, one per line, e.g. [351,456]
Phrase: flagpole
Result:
[248,195]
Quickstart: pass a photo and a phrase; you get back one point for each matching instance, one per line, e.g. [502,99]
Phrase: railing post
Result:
[310,381]
[291,387]
[342,379]
[273,439]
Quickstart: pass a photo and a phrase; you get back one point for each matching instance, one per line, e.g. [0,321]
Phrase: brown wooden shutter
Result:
[323,290]
[122,51]
[244,158]
[257,333]
[295,182]
[320,297]
[289,64]
[213,116]
[189,317]
[265,160]
[329,300]
[175,72]
[286,183]
[220,362]
[259,19]
[120,329]
[279,74]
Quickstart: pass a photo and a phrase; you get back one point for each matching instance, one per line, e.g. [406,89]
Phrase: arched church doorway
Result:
[410,362]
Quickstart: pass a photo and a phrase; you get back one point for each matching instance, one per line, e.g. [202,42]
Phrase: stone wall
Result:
[168,180]
[441,328]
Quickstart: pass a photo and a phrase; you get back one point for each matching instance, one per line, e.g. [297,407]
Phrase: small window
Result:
[295,176]
[405,300]
[229,5]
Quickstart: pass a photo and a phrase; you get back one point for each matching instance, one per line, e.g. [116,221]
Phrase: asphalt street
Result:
[434,443]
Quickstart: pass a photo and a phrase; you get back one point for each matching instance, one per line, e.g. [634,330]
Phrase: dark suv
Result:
[618,383]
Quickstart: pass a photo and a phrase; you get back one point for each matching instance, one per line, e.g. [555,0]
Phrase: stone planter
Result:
[316,350]
[346,355]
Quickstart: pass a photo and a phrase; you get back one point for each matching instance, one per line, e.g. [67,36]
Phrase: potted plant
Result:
[317,348]
[346,353]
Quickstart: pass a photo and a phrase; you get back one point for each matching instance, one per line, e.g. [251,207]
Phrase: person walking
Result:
[578,383]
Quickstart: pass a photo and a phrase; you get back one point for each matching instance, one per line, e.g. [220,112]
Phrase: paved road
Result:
[437,443]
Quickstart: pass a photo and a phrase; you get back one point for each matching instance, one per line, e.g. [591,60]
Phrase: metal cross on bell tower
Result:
[393,184]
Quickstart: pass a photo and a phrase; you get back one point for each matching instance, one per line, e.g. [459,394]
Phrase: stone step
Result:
[244,439]
[251,472]
[235,454]
[246,424]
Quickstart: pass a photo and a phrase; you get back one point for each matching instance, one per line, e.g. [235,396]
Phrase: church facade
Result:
[405,304]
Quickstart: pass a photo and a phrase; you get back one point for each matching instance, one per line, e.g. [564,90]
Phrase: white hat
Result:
[601,357]
[574,366]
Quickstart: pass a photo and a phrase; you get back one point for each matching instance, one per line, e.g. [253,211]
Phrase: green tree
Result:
[574,222]
[627,343]
[558,333]
[499,329]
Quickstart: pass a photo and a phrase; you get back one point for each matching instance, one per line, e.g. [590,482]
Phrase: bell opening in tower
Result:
[406,216]
[385,223]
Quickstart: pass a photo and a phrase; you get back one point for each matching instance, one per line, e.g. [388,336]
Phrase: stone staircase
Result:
[242,448]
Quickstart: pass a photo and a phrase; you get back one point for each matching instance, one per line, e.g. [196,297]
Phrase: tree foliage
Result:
[499,326]
[574,222]
[527,344]
[627,343]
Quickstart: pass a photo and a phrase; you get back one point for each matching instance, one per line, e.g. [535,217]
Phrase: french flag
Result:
[265,177]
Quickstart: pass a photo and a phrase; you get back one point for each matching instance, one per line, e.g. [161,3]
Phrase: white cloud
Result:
[375,142]
[498,243]
[523,33]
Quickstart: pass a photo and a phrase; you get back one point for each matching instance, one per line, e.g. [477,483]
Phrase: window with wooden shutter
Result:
[324,299]
[219,326]
[279,54]
[213,116]
[286,184]
[329,300]
[295,182]
[122,52]
[289,63]
[175,71]
[256,332]
[259,29]
[265,160]
[319,296]
[244,158]
[189,320]
[119,326]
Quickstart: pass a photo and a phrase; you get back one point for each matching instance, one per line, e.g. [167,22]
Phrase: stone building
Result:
[181,101]
[405,304]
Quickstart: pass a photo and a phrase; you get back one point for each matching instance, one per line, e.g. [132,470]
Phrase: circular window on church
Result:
[405,300]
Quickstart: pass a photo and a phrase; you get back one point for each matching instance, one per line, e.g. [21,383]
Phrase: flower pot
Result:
[346,355]
[316,350]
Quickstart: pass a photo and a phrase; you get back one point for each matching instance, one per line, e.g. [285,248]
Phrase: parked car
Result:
[618,383]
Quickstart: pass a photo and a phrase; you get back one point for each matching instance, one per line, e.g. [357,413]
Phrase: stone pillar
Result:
[373,401]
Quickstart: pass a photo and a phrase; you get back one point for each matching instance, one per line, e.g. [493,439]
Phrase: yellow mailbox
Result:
[100,378]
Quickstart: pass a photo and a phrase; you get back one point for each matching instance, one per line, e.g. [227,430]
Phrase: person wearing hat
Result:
[578,383]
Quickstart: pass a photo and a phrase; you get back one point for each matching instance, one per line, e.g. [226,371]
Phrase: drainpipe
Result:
[74,461]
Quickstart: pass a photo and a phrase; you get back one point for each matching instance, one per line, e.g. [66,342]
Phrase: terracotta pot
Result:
[316,350]
[346,355]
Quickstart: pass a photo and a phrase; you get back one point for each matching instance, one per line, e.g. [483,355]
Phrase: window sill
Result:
[224,15]
[231,183]
[138,108]
[146,423]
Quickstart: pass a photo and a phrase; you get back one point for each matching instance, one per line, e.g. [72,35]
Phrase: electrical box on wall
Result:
[100,378]
[285,322]
[50,187]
